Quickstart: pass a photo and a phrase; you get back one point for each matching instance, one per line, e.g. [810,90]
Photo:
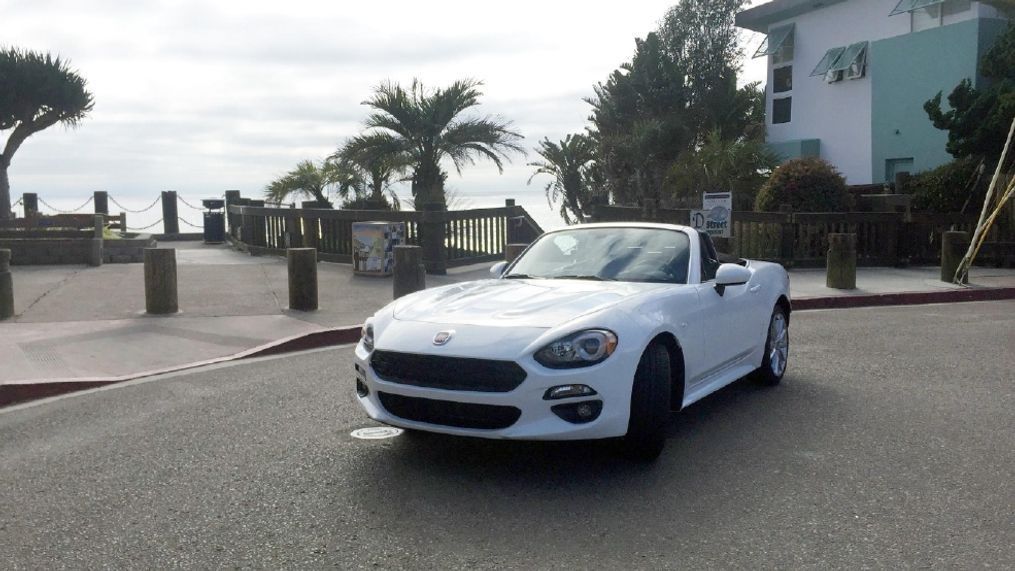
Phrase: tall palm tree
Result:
[421,127]
[368,173]
[308,180]
[37,91]
[571,163]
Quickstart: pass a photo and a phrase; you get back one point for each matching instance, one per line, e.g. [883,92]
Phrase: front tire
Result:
[650,406]
[773,365]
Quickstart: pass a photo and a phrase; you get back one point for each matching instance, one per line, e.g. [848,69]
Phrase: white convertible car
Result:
[595,331]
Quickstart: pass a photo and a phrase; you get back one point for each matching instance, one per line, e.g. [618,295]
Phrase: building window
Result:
[782,79]
[849,62]
[778,44]
[826,63]
[926,14]
[782,110]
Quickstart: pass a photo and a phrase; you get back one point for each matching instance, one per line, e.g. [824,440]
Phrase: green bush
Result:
[947,187]
[807,184]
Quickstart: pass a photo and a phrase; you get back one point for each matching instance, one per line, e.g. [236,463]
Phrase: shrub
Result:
[807,184]
[947,187]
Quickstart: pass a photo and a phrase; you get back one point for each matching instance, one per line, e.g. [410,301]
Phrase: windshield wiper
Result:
[592,277]
[521,277]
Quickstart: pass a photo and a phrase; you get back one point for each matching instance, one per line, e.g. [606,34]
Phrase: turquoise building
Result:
[847,79]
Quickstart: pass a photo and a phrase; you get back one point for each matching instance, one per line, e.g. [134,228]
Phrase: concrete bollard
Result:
[95,244]
[512,251]
[841,261]
[160,281]
[6,286]
[302,278]
[410,272]
[953,247]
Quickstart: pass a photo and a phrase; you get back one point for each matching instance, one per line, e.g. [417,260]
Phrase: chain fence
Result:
[125,209]
[152,225]
[58,211]
[190,224]
[184,201]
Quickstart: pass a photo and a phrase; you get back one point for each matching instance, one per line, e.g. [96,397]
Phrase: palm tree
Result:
[308,180]
[571,163]
[37,91]
[421,127]
[369,174]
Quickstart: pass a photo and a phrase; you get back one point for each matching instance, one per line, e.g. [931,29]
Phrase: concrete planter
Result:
[127,250]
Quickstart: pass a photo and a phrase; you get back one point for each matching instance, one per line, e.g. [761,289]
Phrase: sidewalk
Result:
[80,323]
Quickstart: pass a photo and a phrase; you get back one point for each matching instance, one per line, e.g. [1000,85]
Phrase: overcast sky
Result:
[202,96]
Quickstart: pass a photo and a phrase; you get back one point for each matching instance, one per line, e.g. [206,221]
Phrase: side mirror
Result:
[730,275]
[498,269]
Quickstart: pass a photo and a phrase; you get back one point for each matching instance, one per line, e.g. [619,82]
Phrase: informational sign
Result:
[716,214]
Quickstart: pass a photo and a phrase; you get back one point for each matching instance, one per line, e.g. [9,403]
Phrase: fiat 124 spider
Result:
[595,331]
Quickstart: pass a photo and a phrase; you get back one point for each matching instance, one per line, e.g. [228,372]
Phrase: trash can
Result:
[214,221]
[373,245]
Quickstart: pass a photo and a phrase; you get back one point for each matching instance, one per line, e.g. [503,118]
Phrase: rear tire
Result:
[773,365]
[650,406]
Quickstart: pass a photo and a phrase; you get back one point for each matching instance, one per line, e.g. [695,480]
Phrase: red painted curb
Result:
[904,298]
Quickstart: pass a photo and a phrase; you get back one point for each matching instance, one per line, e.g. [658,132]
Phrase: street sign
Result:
[716,214]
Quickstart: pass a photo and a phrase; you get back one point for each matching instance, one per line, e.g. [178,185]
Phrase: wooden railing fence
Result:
[801,238]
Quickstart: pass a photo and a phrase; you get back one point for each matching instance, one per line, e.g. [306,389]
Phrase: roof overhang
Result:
[759,18]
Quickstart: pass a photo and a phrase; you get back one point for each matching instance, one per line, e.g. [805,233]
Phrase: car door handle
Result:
[754,288]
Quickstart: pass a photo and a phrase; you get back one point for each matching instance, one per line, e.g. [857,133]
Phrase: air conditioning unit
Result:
[856,71]
[833,76]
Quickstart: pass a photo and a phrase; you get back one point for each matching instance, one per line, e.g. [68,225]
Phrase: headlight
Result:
[367,337]
[581,349]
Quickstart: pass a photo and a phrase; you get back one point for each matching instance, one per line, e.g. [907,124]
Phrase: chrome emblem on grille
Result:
[443,337]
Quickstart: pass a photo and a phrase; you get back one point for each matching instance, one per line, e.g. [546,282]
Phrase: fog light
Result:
[567,391]
[361,388]
[579,412]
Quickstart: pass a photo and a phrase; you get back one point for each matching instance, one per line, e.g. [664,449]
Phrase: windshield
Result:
[621,254]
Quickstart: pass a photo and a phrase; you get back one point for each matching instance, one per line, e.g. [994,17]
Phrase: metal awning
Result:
[905,6]
[855,53]
[775,40]
[831,56]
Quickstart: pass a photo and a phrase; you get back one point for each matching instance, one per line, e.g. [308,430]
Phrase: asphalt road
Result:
[889,444]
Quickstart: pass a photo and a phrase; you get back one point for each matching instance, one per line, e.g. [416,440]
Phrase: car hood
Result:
[516,303]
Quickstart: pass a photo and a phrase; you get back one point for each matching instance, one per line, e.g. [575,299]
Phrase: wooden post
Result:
[170,213]
[509,202]
[410,272]
[101,202]
[232,198]
[6,286]
[431,234]
[160,281]
[512,251]
[841,261]
[311,230]
[95,245]
[302,278]
[953,247]
[787,236]
[30,201]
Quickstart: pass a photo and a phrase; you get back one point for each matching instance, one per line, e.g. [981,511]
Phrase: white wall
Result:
[838,114]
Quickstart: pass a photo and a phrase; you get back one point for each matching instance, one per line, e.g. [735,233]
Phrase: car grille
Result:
[450,373]
[447,413]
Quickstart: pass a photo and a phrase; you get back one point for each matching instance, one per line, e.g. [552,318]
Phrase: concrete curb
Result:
[22,391]
[904,298]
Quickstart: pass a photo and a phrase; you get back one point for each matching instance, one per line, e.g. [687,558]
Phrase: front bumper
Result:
[611,379]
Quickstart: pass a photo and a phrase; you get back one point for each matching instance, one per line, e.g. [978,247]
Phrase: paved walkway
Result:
[76,322]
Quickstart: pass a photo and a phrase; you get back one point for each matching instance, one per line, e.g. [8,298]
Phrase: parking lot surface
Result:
[889,444]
